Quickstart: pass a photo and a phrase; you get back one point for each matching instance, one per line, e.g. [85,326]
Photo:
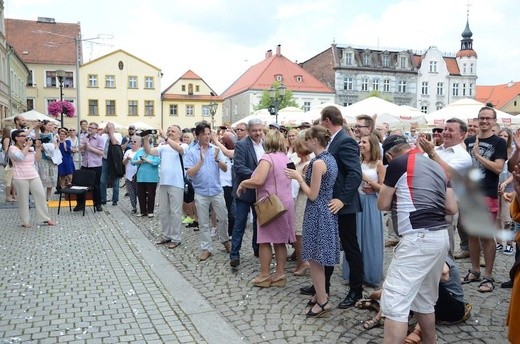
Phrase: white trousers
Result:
[219,207]
[170,212]
[35,187]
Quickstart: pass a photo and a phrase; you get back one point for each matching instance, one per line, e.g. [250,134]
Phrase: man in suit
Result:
[345,203]
[248,152]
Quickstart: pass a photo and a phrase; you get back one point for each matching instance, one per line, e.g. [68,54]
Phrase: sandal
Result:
[373,322]
[49,223]
[467,279]
[367,304]
[324,312]
[414,337]
[487,285]
[173,245]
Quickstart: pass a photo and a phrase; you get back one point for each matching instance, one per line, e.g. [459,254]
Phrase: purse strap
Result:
[272,166]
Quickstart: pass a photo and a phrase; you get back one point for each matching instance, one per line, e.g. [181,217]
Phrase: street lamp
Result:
[276,95]
[60,73]
[213,110]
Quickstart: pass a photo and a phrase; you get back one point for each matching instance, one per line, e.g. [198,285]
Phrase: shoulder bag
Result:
[269,208]
[189,192]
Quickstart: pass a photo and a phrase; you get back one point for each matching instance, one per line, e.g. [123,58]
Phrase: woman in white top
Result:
[131,171]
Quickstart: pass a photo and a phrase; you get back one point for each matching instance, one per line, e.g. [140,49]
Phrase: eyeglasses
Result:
[486,118]
[72,129]
[240,129]
[357,126]
[135,141]
[93,128]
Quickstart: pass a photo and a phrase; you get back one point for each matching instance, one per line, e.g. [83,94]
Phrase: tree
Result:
[265,101]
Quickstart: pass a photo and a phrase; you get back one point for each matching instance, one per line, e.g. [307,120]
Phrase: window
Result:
[439,105]
[455,90]
[401,87]
[366,60]
[30,104]
[440,89]
[110,107]
[433,66]
[110,81]
[50,79]
[348,58]
[375,85]
[463,68]
[279,77]
[386,85]
[173,110]
[30,81]
[424,88]
[306,106]
[132,108]
[463,89]
[386,61]
[148,108]
[470,90]
[132,81]
[424,108]
[197,88]
[299,78]
[148,82]
[471,68]
[183,88]
[92,80]
[348,84]
[403,61]
[190,89]
[205,111]
[68,80]
[364,84]
[93,109]
[189,111]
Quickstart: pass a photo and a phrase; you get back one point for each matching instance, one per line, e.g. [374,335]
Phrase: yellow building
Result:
[120,87]
[187,101]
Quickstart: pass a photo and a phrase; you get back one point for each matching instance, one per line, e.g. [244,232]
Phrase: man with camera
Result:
[92,152]
[112,166]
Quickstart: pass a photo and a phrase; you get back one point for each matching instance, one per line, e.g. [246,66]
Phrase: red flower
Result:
[57,107]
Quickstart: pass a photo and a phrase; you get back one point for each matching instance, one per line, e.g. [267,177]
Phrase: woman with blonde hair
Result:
[269,178]
[291,139]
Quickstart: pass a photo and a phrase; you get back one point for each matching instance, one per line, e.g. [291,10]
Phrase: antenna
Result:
[467,11]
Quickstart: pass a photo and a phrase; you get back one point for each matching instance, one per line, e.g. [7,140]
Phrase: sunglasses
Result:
[135,141]
[72,129]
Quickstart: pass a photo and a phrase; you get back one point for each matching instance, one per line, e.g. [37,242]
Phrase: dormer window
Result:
[279,77]
[349,57]
[403,61]
[366,60]
[299,78]
[386,60]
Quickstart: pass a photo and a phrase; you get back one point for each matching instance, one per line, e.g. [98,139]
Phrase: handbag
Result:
[269,208]
[189,192]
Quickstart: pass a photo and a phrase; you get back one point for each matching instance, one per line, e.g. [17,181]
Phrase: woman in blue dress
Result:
[66,168]
[320,227]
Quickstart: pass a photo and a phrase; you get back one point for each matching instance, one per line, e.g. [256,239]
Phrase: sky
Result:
[220,39]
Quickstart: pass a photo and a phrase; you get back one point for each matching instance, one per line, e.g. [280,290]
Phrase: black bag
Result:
[189,192]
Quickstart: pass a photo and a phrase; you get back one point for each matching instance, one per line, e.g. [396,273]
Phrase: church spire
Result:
[466,43]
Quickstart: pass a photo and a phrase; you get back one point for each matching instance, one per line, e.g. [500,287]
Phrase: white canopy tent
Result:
[33,115]
[291,116]
[315,112]
[141,126]
[466,109]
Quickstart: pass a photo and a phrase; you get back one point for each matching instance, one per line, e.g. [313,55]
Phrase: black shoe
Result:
[308,290]
[114,203]
[79,208]
[351,299]
[234,262]
[99,208]
[103,203]
[507,285]
[193,224]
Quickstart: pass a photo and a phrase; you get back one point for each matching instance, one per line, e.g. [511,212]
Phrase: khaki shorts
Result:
[8,176]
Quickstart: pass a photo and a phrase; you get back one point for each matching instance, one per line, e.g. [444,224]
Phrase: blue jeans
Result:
[241,213]
[104,183]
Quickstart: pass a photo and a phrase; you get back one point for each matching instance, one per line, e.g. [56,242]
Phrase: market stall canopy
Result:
[466,109]
[141,126]
[290,116]
[118,126]
[315,112]
[33,115]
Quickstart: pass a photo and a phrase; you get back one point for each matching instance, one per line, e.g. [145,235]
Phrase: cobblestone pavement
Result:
[100,279]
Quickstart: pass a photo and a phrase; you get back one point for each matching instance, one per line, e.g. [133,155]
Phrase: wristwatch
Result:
[431,155]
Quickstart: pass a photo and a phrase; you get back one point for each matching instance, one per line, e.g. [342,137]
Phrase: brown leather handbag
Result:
[269,208]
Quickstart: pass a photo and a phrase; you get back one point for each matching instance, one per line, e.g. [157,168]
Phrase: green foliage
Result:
[265,101]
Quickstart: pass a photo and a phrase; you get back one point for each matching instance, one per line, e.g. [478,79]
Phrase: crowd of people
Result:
[337,183]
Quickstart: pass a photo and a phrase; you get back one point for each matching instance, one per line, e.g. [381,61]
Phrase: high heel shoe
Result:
[301,271]
[262,282]
[280,282]
[324,312]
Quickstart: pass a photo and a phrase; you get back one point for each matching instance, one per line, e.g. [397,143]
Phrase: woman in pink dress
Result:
[269,178]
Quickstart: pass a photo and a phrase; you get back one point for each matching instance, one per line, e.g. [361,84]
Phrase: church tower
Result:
[466,56]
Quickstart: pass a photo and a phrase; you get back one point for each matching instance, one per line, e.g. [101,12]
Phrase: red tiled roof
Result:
[451,63]
[190,75]
[466,53]
[183,97]
[262,75]
[38,42]
[498,95]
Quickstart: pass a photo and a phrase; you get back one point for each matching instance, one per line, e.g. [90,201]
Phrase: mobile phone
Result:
[291,165]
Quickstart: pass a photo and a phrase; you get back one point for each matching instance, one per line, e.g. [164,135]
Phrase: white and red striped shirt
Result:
[23,166]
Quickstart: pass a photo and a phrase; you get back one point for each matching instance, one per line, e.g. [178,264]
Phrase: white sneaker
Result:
[151,215]
[508,250]
[213,231]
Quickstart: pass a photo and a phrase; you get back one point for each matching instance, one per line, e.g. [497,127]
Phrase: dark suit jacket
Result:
[244,163]
[116,169]
[346,152]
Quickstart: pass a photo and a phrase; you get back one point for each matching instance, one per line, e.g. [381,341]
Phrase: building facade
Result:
[4,69]
[505,97]
[427,81]
[240,99]
[187,101]
[120,87]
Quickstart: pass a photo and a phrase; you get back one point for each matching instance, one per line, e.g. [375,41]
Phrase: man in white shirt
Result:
[452,157]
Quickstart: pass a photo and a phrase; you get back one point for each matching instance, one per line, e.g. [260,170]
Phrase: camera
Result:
[148,132]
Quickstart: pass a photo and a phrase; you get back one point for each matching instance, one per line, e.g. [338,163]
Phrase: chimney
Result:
[278,50]
[268,53]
